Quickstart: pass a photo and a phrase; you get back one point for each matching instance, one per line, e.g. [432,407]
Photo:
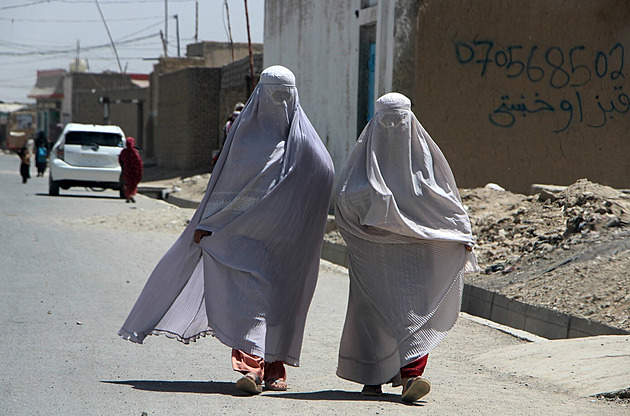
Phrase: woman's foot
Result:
[276,384]
[250,383]
[415,388]
[133,200]
[372,390]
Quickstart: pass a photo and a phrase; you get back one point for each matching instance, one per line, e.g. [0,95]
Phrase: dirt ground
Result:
[565,248]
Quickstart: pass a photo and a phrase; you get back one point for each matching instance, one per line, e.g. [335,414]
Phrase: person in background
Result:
[246,266]
[25,163]
[226,128]
[238,107]
[409,243]
[131,165]
[41,153]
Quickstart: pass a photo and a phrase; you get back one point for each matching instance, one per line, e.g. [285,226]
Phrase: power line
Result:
[33,3]
[72,50]
[124,19]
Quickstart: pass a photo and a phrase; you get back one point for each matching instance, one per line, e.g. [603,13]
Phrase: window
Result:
[91,138]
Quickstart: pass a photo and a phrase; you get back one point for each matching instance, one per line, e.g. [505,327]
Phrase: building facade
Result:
[515,93]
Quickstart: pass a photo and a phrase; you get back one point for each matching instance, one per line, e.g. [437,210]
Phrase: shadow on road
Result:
[81,196]
[228,389]
[207,387]
[341,395]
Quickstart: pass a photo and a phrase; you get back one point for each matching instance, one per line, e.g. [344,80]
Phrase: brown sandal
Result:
[250,383]
[276,384]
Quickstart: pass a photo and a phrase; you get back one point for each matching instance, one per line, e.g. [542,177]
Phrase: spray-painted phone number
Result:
[573,68]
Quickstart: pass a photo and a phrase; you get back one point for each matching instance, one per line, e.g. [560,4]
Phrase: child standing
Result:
[25,164]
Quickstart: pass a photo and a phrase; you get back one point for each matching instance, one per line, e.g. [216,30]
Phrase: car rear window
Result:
[90,138]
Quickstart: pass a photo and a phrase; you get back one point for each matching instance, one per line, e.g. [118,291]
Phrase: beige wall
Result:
[557,113]
[559,119]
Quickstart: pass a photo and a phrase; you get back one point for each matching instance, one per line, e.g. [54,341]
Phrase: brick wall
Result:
[236,86]
[164,66]
[188,120]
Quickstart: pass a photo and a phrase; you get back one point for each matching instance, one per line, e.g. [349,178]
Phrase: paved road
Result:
[65,289]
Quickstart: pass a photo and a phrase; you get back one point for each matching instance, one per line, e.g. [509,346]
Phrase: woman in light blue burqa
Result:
[245,268]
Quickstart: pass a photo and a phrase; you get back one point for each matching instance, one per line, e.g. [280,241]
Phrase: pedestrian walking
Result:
[246,266]
[132,167]
[25,163]
[409,242]
[41,153]
[238,107]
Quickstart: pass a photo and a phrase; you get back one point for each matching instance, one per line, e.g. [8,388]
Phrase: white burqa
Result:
[251,281]
[400,213]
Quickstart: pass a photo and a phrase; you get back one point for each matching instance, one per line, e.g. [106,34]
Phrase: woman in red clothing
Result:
[131,164]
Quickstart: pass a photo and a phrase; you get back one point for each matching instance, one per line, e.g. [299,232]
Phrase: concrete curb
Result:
[500,309]
[180,202]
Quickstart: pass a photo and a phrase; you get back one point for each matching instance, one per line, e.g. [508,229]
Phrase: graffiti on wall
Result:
[570,71]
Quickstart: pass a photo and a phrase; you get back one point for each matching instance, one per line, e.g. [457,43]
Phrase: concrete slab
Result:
[583,366]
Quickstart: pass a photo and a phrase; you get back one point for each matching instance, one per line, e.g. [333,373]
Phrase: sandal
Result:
[372,390]
[250,383]
[276,384]
[415,388]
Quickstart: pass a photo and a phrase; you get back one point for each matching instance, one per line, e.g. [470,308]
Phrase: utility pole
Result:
[163,42]
[110,36]
[249,40]
[76,60]
[196,21]
[165,28]
[176,17]
[227,12]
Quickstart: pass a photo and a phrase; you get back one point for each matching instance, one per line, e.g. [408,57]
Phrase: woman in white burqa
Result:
[245,268]
[409,243]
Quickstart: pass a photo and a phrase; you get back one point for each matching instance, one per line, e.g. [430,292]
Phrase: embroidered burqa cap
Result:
[251,282]
[400,213]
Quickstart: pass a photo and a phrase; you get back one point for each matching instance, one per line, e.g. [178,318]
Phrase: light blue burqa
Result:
[249,283]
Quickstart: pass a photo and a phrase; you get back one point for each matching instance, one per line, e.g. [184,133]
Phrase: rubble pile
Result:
[508,226]
[563,248]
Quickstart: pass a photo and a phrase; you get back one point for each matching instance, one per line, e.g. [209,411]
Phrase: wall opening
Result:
[367,68]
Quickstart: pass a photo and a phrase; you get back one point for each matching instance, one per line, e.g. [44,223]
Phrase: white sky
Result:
[42,34]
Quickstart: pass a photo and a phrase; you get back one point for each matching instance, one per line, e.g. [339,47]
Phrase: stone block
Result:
[508,312]
[477,301]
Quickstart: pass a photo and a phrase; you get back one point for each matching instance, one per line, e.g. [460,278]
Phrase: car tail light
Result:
[59,152]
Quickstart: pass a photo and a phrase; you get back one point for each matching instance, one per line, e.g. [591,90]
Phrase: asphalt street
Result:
[66,288]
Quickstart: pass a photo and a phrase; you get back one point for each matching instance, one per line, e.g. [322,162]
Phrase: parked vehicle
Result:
[86,155]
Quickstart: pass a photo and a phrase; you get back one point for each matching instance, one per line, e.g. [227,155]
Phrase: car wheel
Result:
[53,187]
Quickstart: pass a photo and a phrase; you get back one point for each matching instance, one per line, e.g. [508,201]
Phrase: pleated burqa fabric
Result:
[409,241]
[249,283]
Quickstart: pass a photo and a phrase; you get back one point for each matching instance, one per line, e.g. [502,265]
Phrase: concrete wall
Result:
[188,117]
[85,91]
[526,92]
[216,54]
[513,92]
[319,41]
[164,66]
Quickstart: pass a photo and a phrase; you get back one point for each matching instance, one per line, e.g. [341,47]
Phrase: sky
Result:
[43,34]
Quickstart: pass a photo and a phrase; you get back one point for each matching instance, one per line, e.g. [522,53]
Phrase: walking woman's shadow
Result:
[341,395]
[227,389]
[200,387]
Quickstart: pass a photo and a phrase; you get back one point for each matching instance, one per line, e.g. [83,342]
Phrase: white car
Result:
[86,155]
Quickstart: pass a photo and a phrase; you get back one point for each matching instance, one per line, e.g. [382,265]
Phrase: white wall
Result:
[319,41]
